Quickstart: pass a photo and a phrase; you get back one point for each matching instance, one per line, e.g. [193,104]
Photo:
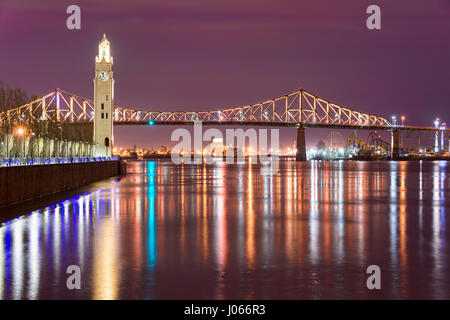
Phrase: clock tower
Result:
[103,101]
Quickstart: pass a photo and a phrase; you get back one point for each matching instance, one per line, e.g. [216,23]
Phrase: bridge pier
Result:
[301,145]
[395,144]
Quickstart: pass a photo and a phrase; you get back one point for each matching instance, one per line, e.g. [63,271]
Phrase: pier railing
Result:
[11,162]
[35,147]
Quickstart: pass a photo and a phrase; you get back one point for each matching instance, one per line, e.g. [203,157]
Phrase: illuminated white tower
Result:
[103,100]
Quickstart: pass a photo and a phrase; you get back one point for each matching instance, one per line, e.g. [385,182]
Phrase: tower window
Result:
[103,115]
[103,105]
[107,115]
[106,97]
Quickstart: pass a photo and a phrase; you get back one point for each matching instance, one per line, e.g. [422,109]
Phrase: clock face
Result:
[103,76]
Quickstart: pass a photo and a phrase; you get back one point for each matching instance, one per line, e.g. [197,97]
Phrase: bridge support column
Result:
[301,145]
[395,145]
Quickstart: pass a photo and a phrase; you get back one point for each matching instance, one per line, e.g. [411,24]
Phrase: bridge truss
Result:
[298,107]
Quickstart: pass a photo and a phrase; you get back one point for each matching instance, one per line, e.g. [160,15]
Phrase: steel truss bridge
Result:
[296,109]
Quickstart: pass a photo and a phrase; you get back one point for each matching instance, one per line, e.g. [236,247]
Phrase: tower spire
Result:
[104,51]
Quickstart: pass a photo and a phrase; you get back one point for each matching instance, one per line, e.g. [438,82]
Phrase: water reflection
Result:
[226,231]
[151,174]
[33,254]
[17,258]
[106,261]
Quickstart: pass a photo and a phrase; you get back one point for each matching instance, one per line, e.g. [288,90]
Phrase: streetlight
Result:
[436,136]
[394,120]
[20,132]
[436,122]
[443,127]
[401,137]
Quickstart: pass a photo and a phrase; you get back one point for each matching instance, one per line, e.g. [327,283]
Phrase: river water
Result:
[228,232]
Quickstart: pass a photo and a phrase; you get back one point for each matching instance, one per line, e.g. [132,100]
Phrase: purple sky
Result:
[203,54]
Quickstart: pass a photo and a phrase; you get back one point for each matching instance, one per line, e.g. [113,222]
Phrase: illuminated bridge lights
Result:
[297,107]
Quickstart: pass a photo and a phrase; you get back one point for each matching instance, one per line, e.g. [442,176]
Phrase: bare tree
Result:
[12,97]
